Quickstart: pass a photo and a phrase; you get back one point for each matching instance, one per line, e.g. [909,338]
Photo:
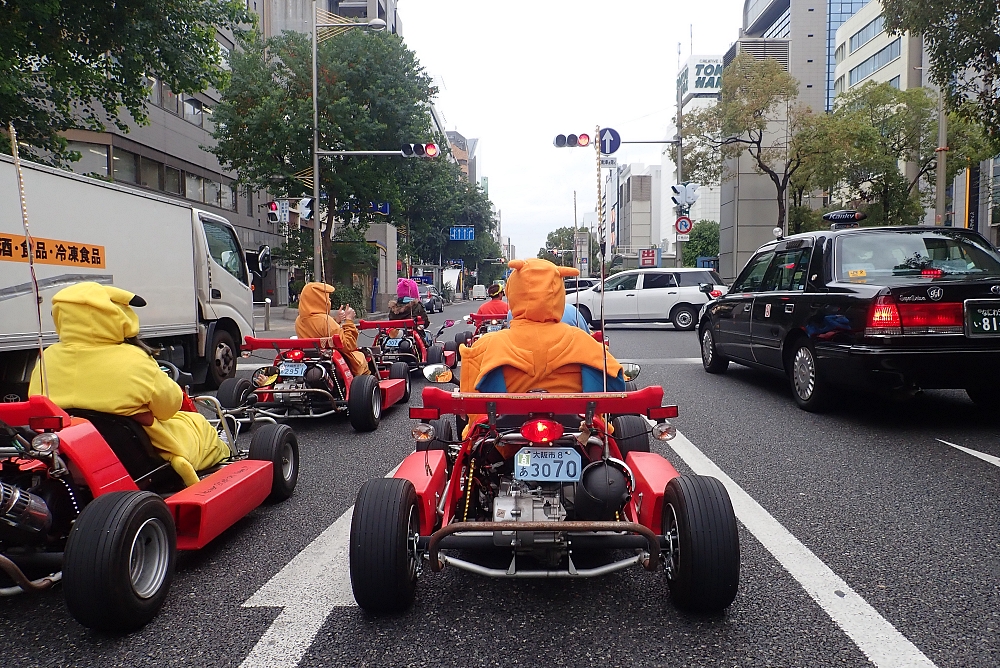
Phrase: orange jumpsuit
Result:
[496,307]
[315,322]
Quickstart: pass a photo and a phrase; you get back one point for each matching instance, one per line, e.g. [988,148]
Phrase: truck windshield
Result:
[878,257]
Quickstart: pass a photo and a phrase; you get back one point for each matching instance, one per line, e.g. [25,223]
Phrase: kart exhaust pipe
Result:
[23,510]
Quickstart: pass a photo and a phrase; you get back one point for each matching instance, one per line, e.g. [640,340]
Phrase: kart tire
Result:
[684,318]
[445,432]
[222,355]
[277,443]
[703,553]
[809,389]
[364,403]
[435,354]
[116,533]
[464,337]
[631,434]
[452,346]
[383,559]
[631,386]
[233,392]
[710,357]
[401,370]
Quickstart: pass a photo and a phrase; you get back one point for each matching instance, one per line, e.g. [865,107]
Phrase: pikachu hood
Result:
[538,351]
[93,368]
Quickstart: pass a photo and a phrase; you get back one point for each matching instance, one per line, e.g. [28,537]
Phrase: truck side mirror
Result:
[264,258]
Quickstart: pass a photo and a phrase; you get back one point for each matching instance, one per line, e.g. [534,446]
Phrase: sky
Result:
[516,74]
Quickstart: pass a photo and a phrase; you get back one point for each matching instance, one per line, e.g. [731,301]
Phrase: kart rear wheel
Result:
[401,370]
[703,556]
[383,552]
[464,337]
[364,403]
[444,432]
[233,392]
[119,561]
[435,354]
[631,434]
[277,443]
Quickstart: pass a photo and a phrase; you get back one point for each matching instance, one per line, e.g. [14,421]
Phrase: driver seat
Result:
[131,444]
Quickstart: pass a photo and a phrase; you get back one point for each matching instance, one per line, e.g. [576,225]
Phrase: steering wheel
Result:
[170,370]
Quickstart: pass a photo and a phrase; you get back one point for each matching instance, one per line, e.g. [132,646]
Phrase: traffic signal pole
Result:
[679,246]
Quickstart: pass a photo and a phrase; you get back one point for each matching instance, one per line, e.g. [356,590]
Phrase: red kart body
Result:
[482,324]
[403,341]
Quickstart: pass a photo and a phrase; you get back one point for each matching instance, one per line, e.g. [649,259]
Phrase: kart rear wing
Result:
[480,318]
[645,401]
[292,344]
[386,324]
[37,413]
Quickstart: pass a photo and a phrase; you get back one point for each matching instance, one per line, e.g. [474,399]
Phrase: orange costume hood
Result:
[538,351]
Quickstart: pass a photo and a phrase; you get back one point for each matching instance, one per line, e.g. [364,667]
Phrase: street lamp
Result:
[331,26]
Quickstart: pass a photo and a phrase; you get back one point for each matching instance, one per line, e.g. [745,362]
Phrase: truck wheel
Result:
[119,561]
[809,389]
[684,318]
[233,392]
[364,403]
[435,354]
[703,551]
[710,357]
[383,552]
[631,433]
[277,443]
[401,370]
[222,358]
[444,433]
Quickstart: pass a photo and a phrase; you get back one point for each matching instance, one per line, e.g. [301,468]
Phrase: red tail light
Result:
[715,294]
[542,431]
[883,318]
[926,318]
[932,273]
[296,355]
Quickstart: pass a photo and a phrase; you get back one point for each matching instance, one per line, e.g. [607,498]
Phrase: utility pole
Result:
[942,162]
[679,246]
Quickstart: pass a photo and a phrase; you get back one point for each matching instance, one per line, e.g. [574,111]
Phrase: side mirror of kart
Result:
[449,323]
[438,373]
[630,370]
[467,320]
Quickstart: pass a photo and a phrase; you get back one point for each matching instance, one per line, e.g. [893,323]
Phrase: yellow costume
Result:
[538,351]
[93,368]
[315,322]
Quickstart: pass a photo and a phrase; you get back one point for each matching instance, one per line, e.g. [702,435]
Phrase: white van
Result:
[478,292]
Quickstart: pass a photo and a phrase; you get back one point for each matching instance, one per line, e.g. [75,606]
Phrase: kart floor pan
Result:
[392,391]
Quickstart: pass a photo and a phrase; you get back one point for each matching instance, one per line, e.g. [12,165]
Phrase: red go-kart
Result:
[540,479]
[402,342]
[85,498]
[310,378]
[483,324]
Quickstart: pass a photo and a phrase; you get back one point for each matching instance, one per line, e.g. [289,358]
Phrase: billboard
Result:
[701,75]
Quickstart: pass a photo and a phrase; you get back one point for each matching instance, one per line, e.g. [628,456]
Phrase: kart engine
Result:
[519,501]
[23,510]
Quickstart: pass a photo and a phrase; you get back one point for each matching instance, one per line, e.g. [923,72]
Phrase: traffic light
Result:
[306,208]
[569,141]
[429,150]
[690,194]
[272,211]
[684,194]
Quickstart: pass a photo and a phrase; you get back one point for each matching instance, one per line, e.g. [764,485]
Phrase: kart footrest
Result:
[203,511]
[450,358]
[393,390]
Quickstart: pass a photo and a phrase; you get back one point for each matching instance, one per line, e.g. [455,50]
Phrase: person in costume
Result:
[573,317]
[100,365]
[495,305]
[315,322]
[538,352]
[407,306]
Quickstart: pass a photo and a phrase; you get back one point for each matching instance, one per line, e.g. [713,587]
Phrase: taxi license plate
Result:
[982,317]
[493,328]
[392,343]
[547,465]
[292,369]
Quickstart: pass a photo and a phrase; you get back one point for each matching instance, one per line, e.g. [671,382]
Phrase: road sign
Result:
[611,141]
[683,237]
[647,257]
[683,225]
[464,233]
[609,163]
[283,210]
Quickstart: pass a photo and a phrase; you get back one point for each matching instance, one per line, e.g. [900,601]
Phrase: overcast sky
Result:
[516,74]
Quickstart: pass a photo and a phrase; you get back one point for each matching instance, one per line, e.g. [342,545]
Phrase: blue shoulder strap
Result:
[493,381]
[593,380]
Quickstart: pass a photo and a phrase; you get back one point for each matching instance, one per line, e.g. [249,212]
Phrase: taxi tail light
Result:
[883,318]
[296,355]
[932,318]
[542,431]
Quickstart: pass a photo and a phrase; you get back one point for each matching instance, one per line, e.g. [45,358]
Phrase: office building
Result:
[464,152]
[866,52]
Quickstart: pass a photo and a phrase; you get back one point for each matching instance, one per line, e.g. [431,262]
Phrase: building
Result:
[638,209]
[277,16]
[865,52]
[464,151]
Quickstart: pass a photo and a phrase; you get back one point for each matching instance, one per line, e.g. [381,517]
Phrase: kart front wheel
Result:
[364,403]
[233,392]
[631,434]
[703,552]
[383,552]
[277,443]
[119,561]
[401,371]
[435,354]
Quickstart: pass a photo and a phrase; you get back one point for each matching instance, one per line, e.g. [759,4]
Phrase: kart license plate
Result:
[982,317]
[547,465]
[292,369]
[392,343]
[493,328]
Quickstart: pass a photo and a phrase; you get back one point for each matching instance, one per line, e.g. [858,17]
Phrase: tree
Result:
[703,242]
[68,64]
[963,40]
[562,239]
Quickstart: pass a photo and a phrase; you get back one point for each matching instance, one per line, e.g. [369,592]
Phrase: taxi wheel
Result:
[710,357]
[809,389]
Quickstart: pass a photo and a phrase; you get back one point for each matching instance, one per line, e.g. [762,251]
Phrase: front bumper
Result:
[954,367]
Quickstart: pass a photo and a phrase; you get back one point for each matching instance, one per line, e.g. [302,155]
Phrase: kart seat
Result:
[131,444]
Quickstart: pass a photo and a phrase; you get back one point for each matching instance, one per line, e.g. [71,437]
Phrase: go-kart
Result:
[542,487]
[85,498]
[310,378]
[482,324]
[402,341]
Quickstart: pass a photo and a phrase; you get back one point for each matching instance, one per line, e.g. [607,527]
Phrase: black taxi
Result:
[896,308]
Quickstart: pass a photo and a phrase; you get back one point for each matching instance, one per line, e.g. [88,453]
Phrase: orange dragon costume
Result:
[538,351]
[315,322]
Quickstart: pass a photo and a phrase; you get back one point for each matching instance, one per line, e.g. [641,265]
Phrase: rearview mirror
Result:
[467,320]
[438,373]
[449,323]
[706,288]
[630,370]
[264,258]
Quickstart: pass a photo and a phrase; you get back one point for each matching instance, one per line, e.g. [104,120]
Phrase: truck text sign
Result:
[14,248]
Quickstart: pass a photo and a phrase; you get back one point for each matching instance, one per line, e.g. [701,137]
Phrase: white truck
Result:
[186,263]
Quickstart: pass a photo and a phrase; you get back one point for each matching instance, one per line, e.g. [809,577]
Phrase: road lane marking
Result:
[880,641]
[654,361]
[975,453]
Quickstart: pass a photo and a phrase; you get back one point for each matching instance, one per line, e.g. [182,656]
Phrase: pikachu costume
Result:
[538,351]
[93,368]
[315,322]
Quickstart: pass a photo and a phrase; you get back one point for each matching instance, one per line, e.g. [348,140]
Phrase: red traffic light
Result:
[272,206]
[429,150]
[571,140]
[583,140]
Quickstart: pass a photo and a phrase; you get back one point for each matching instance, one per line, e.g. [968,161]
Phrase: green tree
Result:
[704,242]
[297,250]
[70,64]
[963,40]
[561,239]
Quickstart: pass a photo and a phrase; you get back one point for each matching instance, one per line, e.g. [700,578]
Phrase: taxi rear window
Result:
[879,257]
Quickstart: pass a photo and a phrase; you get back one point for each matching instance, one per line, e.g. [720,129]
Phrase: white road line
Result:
[975,453]
[884,646]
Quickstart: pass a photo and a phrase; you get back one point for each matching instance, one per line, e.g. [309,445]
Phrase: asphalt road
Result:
[865,541]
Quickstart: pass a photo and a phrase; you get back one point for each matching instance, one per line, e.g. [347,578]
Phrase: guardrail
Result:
[266,316]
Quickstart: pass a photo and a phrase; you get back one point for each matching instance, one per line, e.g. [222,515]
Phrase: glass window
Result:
[93,158]
[894,82]
[169,99]
[752,276]
[212,192]
[249,196]
[654,281]
[878,257]
[126,167]
[787,271]
[225,249]
[172,181]
[192,111]
[875,63]
[224,57]
[194,188]
[623,282]
[154,91]
[150,173]
[867,34]
[689,278]
[227,197]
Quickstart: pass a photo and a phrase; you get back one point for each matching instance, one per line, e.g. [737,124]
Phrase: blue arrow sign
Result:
[611,141]
[463,233]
